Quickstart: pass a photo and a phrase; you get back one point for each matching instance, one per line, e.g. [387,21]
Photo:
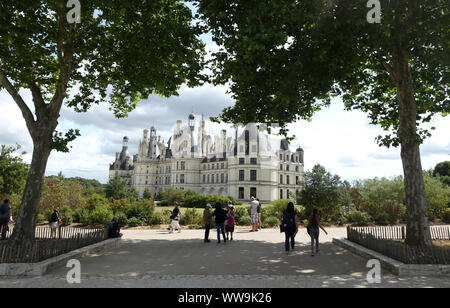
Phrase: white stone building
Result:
[251,163]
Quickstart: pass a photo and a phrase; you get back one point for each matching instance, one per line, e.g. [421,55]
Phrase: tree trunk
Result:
[417,227]
[24,230]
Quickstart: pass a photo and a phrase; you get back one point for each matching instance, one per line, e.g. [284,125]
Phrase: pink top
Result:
[317,220]
[231,221]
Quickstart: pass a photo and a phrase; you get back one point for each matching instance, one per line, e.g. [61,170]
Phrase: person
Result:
[259,214]
[114,228]
[175,217]
[229,228]
[313,230]
[207,220]
[5,217]
[289,225]
[220,217]
[254,214]
[54,223]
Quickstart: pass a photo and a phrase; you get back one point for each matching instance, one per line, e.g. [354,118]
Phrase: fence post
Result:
[403,233]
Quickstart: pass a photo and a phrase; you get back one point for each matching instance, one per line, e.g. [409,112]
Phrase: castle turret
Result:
[191,124]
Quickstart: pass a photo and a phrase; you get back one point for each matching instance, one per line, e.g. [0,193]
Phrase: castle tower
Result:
[191,124]
[152,146]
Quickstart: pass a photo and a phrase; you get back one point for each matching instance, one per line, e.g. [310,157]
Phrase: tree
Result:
[116,188]
[285,60]
[115,52]
[13,171]
[442,170]
[147,194]
[322,190]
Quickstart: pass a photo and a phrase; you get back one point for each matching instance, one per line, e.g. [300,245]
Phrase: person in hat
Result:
[207,220]
[229,228]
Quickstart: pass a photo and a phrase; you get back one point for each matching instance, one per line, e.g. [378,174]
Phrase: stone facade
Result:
[251,163]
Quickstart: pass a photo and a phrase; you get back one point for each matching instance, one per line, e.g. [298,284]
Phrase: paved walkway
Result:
[154,258]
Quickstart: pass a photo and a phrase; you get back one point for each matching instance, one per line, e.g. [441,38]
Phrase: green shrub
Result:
[195,201]
[358,218]
[244,221]
[81,215]
[142,210]
[135,222]
[163,203]
[339,219]
[159,219]
[100,215]
[66,215]
[270,222]
[446,216]
[240,212]
[191,217]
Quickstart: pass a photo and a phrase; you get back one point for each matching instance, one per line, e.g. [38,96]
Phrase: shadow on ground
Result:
[138,258]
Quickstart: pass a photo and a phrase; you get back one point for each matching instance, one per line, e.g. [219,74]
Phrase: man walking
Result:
[207,220]
[5,217]
[220,217]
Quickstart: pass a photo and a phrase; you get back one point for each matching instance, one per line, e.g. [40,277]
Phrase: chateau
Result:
[251,163]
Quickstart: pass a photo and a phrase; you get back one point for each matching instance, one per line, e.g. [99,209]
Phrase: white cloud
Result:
[342,141]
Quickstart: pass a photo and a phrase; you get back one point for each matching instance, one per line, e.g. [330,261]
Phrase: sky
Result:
[342,141]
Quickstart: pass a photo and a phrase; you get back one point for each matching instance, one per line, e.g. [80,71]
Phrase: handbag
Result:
[59,222]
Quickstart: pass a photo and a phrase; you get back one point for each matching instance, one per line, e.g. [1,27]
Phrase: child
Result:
[313,230]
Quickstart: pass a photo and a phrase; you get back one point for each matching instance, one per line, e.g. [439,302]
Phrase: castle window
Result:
[252,175]
[241,161]
[281,194]
[253,192]
[281,179]
[183,165]
[287,179]
[281,167]
[208,178]
[241,175]
[296,180]
[296,168]
[182,178]
[253,161]
[287,167]
[241,193]
[204,178]
[222,178]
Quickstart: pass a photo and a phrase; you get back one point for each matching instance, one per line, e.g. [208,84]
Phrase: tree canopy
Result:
[13,171]
[116,52]
[285,60]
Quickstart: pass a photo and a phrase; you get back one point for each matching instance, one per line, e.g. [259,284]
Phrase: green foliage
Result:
[446,216]
[66,215]
[358,218]
[147,194]
[442,170]
[437,195]
[135,222]
[100,215]
[123,220]
[191,217]
[13,171]
[323,191]
[271,222]
[116,188]
[172,195]
[244,221]
[240,212]
[142,210]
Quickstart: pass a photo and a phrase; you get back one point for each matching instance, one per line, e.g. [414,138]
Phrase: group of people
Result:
[224,219]
[289,225]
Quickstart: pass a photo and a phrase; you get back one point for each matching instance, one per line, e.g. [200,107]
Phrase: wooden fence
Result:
[399,232]
[45,247]
[388,241]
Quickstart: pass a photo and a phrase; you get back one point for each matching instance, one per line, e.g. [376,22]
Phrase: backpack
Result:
[4,212]
[287,222]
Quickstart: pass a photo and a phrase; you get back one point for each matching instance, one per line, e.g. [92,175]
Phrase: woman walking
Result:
[229,228]
[54,223]
[289,225]
[313,230]
[175,217]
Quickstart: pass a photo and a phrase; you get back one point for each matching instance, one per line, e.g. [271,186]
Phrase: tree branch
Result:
[26,112]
